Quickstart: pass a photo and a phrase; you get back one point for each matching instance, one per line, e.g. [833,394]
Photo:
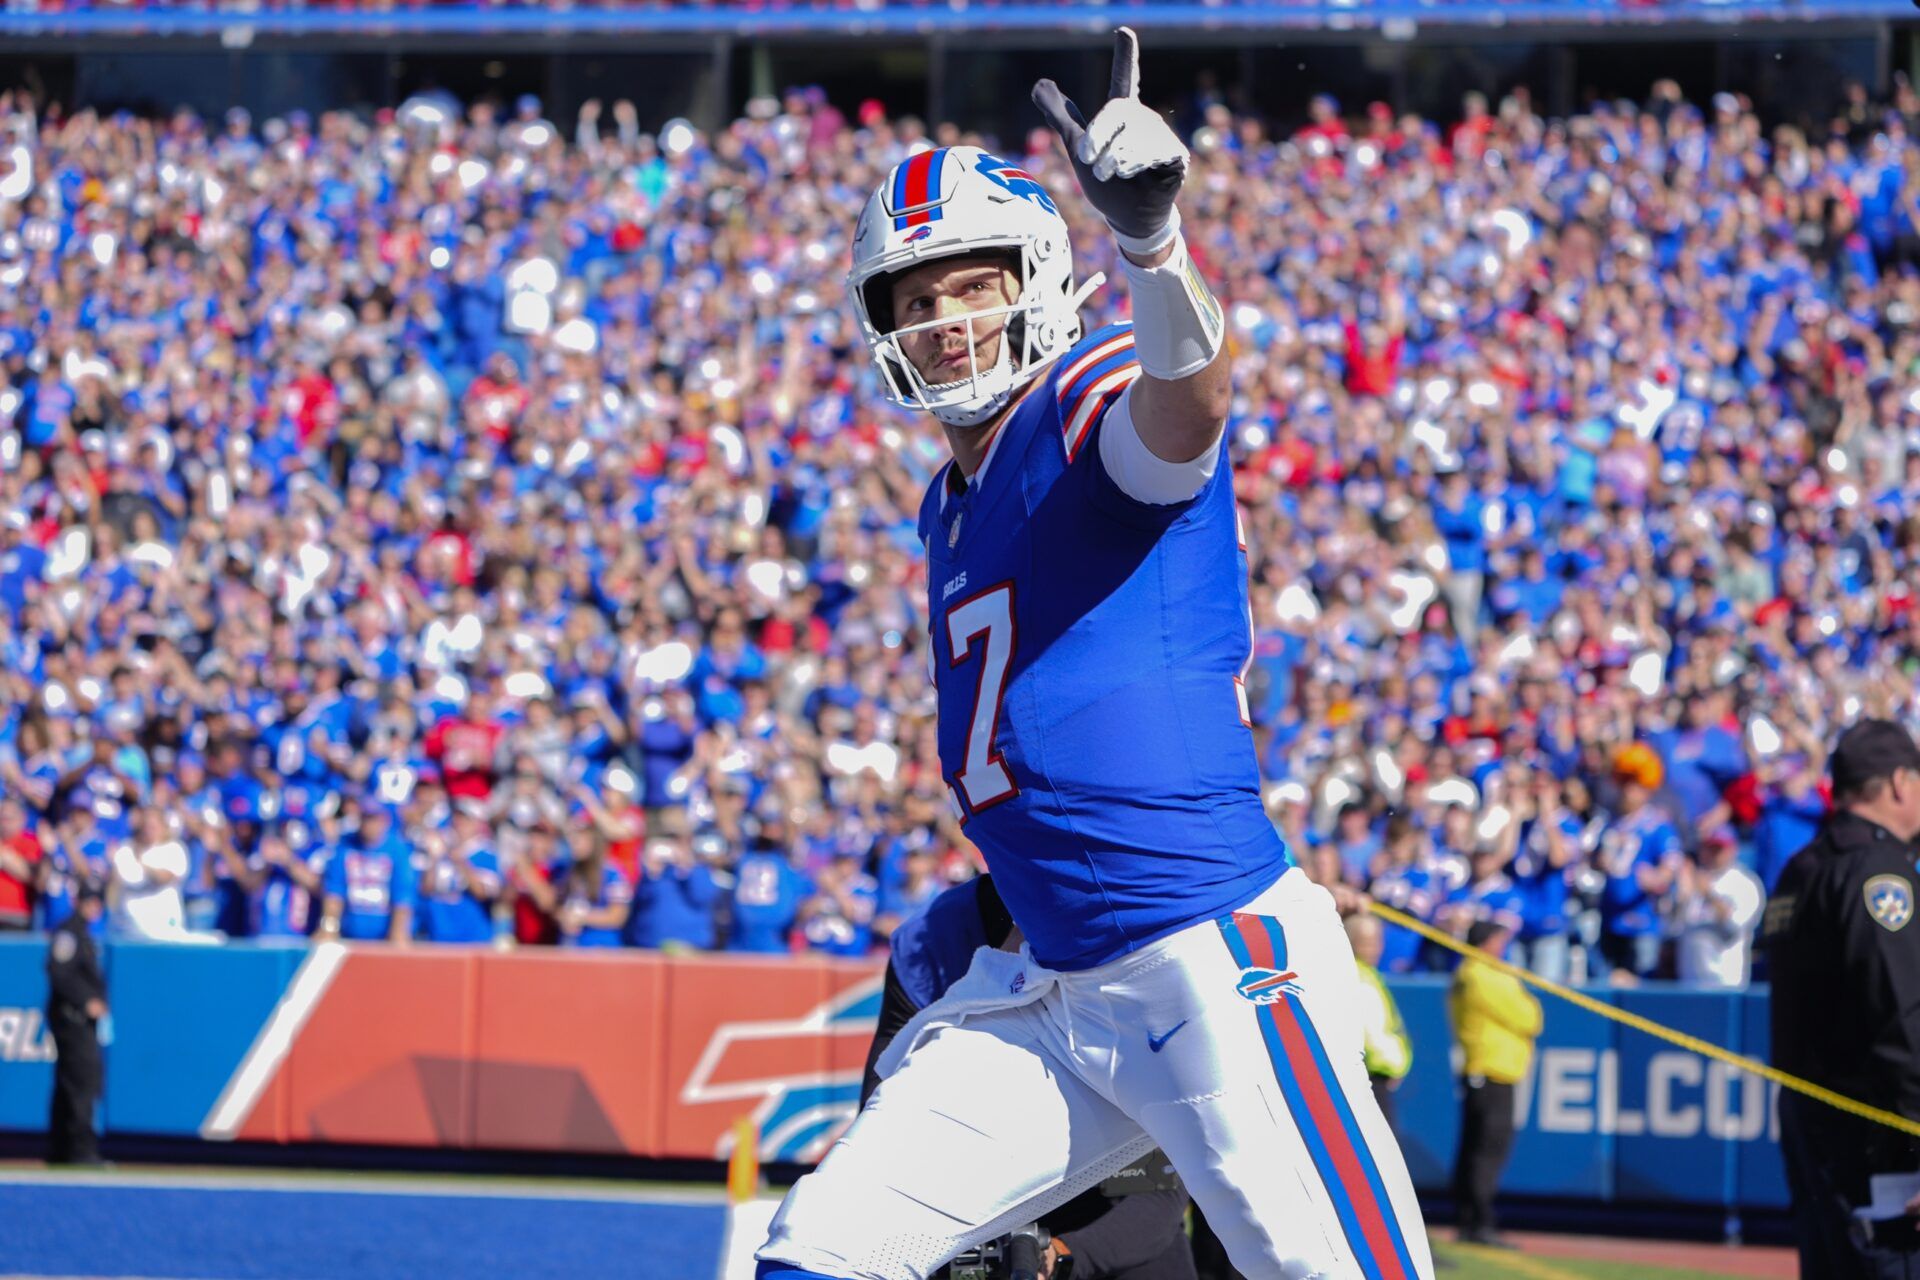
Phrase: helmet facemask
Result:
[1037,328]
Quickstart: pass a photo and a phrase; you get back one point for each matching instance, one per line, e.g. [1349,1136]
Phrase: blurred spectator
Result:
[1549,845]
[1488,895]
[370,884]
[20,855]
[1717,904]
[1791,807]
[285,881]
[838,919]
[1640,855]
[1460,517]
[618,820]
[768,891]
[675,904]
[1703,759]
[592,900]
[77,858]
[909,892]
[1409,878]
[462,879]
[534,872]
[1356,844]
[1388,1050]
[149,874]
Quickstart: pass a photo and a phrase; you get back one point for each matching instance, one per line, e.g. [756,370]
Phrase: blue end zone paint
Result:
[206,1233]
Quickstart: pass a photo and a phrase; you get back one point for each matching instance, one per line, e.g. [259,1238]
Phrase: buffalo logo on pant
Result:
[1264,986]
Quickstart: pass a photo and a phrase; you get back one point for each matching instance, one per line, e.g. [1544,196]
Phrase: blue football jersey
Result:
[1417,889]
[1541,884]
[1088,651]
[934,949]
[1642,839]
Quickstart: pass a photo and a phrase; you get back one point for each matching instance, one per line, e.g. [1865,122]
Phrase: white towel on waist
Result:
[995,980]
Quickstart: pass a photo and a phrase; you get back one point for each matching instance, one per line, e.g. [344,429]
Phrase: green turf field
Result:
[1471,1263]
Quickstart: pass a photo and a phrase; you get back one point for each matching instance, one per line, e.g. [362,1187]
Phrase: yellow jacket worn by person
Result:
[1495,1019]
[1389,1052]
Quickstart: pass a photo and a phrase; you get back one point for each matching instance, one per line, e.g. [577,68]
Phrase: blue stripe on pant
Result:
[787,1271]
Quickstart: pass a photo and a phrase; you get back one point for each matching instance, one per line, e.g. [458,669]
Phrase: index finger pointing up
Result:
[1126,64]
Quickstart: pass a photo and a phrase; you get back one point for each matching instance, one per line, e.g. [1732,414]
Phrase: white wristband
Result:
[1178,327]
[1154,243]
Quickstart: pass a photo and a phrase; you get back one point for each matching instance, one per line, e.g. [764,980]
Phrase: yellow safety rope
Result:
[1654,1029]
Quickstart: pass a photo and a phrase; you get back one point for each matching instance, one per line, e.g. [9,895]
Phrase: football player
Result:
[1181,983]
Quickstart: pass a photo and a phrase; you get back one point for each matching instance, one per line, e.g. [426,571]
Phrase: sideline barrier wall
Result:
[657,1056]
[1606,1113]
[26,1050]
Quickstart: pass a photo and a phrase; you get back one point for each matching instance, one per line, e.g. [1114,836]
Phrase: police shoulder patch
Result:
[1779,915]
[63,947]
[1889,901]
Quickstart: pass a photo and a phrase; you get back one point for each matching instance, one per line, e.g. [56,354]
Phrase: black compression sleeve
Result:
[896,1010]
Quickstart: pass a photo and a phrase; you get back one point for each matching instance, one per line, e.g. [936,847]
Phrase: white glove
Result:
[1129,161]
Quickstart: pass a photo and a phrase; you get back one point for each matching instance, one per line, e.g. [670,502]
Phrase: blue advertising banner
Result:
[1568,1110]
[1665,1096]
[184,1018]
[1760,1178]
[26,1050]
[1608,1114]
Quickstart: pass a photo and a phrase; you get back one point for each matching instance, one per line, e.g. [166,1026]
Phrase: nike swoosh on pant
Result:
[1154,1042]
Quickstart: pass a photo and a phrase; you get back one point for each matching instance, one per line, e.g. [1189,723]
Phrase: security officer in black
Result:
[76,1001]
[1844,952]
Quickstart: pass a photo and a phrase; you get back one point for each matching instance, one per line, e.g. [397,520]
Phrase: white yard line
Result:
[349,1184]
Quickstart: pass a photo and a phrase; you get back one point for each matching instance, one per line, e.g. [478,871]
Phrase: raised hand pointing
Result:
[1129,161]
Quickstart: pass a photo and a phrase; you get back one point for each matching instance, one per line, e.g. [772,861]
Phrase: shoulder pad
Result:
[1091,378]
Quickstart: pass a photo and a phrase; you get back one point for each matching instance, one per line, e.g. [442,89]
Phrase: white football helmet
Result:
[952,202]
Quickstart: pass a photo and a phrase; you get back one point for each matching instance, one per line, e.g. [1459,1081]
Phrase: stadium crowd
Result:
[718,6]
[450,525]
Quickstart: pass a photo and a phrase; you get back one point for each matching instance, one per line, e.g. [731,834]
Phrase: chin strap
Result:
[1085,291]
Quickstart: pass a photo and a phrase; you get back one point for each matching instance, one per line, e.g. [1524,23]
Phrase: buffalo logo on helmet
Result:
[1014,181]
[1889,902]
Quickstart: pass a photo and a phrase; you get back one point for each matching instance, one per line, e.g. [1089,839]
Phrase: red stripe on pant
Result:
[1314,1087]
